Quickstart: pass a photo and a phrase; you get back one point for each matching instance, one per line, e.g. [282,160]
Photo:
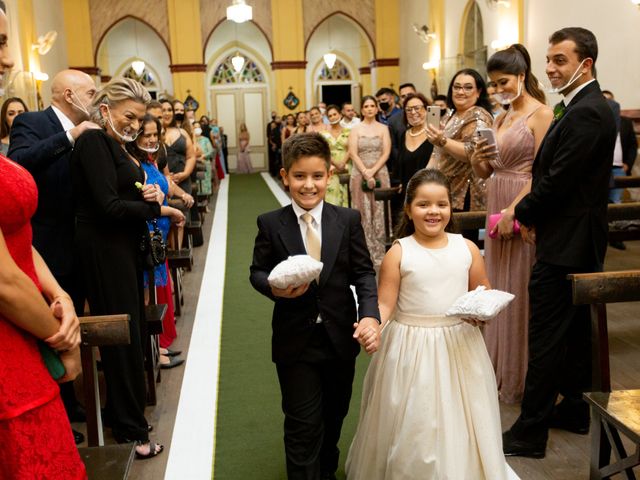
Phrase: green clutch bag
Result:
[51,360]
[365,185]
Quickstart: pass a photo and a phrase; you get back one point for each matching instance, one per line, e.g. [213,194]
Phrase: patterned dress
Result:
[462,128]
[336,193]
[369,151]
[509,263]
[35,435]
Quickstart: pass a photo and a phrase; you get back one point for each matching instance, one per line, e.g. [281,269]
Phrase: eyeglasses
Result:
[416,109]
[466,88]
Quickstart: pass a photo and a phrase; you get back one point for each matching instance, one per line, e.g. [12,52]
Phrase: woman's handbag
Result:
[365,185]
[493,221]
[152,247]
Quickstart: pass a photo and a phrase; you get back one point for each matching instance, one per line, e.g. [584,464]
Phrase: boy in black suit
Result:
[316,330]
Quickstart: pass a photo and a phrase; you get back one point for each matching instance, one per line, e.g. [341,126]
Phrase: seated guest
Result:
[35,435]
[145,149]
[112,208]
[11,108]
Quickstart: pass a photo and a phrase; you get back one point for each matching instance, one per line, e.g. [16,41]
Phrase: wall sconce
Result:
[500,44]
[40,76]
[430,65]
[496,3]
[636,3]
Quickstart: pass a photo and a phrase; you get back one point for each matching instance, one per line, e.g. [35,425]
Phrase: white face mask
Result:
[335,121]
[125,136]
[571,81]
[197,131]
[508,98]
[153,149]
[80,106]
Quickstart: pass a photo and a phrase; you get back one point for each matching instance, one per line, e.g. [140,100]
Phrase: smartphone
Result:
[488,134]
[433,116]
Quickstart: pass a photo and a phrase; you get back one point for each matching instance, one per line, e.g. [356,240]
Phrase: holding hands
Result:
[152,193]
[367,333]
[68,336]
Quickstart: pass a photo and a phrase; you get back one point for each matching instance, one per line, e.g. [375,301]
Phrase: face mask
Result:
[508,98]
[81,106]
[150,149]
[323,110]
[126,136]
[335,121]
[384,106]
[443,112]
[571,81]
[179,117]
[197,131]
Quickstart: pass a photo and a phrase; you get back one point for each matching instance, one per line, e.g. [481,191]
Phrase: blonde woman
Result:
[244,159]
[111,213]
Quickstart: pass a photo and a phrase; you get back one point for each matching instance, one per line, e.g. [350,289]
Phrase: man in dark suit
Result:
[566,215]
[316,327]
[42,142]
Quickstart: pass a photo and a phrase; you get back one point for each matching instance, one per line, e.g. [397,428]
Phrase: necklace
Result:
[419,132]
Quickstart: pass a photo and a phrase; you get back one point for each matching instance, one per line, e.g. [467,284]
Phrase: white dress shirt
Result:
[67,124]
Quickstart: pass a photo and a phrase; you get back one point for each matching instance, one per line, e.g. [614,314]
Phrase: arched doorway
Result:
[474,50]
[240,97]
[336,85]
[147,78]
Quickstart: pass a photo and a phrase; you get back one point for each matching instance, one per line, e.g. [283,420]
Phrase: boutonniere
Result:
[558,111]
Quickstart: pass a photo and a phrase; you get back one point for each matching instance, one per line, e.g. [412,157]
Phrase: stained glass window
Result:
[338,72]
[146,79]
[225,73]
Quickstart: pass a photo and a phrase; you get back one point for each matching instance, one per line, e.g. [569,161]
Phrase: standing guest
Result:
[429,406]
[11,108]
[349,117]
[244,158]
[507,168]
[111,215]
[316,326]
[338,139]
[441,101]
[31,411]
[205,186]
[397,127]
[387,107]
[496,106]
[414,148]
[317,125]
[289,127]
[274,137]
[181,158]
[145,150]
[42,143]
[470,107]
[224,148]
[323,110]
[369,148]
[206,128]
[302,122]
[566,215]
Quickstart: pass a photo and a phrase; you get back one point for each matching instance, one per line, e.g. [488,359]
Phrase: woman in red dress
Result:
[35,435]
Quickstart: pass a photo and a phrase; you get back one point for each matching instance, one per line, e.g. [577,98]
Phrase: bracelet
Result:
[442,141]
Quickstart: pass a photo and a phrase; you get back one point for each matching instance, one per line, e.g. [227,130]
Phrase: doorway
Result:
[336,94]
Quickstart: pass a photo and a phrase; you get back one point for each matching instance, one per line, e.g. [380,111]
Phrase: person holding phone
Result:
[516,135]
[467,98]
[414,150]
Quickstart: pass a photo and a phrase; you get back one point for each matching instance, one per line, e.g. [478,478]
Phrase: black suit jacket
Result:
[569,193]
[397,127]
[629,143]
[39,143]
[346,262]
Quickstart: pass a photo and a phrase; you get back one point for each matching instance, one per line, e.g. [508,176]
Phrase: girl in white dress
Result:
[429,405]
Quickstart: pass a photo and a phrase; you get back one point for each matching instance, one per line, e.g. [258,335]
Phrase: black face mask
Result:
[179,117]
[384,106]
[443,112]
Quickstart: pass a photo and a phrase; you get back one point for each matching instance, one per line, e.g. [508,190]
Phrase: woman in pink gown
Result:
[509,257]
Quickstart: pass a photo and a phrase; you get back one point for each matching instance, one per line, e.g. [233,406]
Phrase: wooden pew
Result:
[613,412]
[98,331]
[154,316]
[385,195]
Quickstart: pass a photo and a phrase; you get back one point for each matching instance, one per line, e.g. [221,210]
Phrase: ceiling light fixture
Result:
[238,62]
[239,11]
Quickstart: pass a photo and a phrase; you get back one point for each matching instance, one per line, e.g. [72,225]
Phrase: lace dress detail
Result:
[30,406]
[369,151]
[337,193]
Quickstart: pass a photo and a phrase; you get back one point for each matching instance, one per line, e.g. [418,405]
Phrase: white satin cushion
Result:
[480,303]
[296,270]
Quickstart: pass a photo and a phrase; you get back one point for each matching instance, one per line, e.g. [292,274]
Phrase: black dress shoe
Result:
[173,362]
[618,245]
[78,437]
[569,424]
[513,447]
[77,413]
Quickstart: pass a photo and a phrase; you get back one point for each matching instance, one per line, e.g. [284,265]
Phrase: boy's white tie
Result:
[312,237]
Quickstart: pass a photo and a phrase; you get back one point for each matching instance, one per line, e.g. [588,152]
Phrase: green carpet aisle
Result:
[249,433]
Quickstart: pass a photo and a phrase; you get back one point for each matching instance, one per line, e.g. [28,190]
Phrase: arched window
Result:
[145,78]
[338,72]
[475,51]
[226,74]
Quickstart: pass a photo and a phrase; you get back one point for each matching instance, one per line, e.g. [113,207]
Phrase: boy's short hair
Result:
[310,144]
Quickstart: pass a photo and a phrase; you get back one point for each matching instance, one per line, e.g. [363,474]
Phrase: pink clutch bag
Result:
[493,221]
